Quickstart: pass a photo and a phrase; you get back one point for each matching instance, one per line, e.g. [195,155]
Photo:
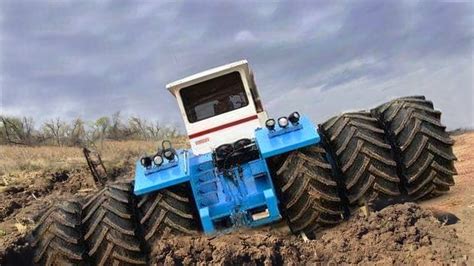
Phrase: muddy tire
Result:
[363,157]
[58,238]
[169,211]
[422,146]
[111,230]
[309,197]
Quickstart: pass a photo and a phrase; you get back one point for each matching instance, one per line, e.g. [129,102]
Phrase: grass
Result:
[19,159]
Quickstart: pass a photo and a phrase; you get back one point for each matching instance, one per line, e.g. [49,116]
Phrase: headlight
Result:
[145,161]
[158,160]
[270,124]
[294,118]
[283,122]
[169,154]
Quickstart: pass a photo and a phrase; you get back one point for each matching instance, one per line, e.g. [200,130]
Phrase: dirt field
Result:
[437,231]
[460,201]
[400,234]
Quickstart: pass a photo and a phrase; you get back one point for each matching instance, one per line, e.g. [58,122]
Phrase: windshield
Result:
[214,97]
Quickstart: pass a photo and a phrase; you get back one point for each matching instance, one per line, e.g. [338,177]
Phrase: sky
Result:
[87,59]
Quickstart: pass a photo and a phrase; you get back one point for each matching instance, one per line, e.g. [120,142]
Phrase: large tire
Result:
[308,192]
[422,146]
[364,158]
[111,229]
[168,211]
[58,238]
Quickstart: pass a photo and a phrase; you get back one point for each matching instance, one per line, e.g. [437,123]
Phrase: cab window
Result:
[214,97]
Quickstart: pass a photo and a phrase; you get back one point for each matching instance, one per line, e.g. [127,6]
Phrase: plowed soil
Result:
[437,231]
[400,234]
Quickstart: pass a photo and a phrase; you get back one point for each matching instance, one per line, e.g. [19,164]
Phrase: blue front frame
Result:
[225,201]
[222,199]
[156,178]
[282,140]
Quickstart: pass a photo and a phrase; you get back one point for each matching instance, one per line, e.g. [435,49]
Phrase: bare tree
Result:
[101,126]
[139,127]
[169,132]
[17,131]
[57,129]
[77,133]
[115,130]
[154,130]
[21,131]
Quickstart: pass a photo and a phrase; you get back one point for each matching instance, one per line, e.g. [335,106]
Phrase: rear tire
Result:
[111,229]
[423,147]
[57,238]
[167,211]
[308,192]
[364,158]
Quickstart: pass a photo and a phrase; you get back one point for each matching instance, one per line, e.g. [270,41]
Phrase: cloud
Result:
[245,36]
[84,58]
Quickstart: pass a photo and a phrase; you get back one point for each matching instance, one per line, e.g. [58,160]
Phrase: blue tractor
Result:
[245,169]
[229,169]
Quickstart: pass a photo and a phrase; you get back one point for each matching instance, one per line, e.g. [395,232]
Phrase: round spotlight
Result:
[283,122]
[294,118]
[270,124]
[158,160]
[169,154]
[145,161]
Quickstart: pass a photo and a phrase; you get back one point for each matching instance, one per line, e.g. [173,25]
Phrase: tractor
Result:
[247,169]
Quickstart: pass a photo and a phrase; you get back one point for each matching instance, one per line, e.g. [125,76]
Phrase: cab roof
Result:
[173,87]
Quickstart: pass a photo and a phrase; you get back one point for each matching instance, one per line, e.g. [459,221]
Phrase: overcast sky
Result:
[90,58]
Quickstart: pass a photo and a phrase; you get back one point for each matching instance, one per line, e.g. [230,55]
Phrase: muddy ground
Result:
[437,231]
[400,234]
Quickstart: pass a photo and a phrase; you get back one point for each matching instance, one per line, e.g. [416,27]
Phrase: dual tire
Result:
[422,147]
[397,151]
[353,166]
[363,157]
[112,228]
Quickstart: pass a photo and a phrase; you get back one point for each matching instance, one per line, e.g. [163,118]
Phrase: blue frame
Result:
[222,199]
[156,178]
[244,195]
[281,140]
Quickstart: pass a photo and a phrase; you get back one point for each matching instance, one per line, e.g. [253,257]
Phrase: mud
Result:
[399,234]
[21,206]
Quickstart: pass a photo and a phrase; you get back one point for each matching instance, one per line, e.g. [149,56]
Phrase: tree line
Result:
[78,132]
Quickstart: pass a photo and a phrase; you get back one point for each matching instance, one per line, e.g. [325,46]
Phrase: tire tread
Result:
[308,191]
[111,231]
[167,211]
[423,147]
[363,156]
[58,238]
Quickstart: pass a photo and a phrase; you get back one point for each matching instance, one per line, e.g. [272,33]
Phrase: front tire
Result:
[308,192]
[168,211]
